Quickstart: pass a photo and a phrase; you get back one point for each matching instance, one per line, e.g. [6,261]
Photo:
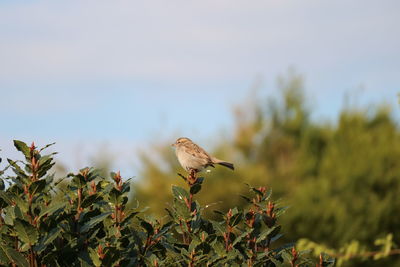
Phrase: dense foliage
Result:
[341,179]
[86,222]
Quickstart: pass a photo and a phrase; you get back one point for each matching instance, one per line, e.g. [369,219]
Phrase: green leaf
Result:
[111,256]
[4,196]
[48,238]
[92,174]
[24,248]
[281,211]
[9,217]
[78,181]
[37,186]
[84,259]
[51,235]
[180,193]
[241,236]
[128,218]
[94,257]
[26,232]
[2,185]
[258,192]
[17,169]
[195,223]
[219,213]
[21,203]
[51,209]
[267,195]
[89,200]
[287,257]
[275,237]
[94,221]
[147,226]
[46,165]
[3,255]
[46,146]
[10,255]
[114,196]
[194,189]
[18,213]
[181,209]
[166,227]
[274,230]
[199,180]
[276,262]
[218,227]
[236,219]
[126,187]
[219,248]
[21,146]
[268,221]
[104,185]
[246,198]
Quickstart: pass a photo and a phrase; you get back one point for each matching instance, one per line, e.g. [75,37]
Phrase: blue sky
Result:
[119,74]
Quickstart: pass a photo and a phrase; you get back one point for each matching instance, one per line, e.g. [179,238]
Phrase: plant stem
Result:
[79,203]
[192,259]
[184,233]
[35,168]
[190,202]
[191,180]
[32,257]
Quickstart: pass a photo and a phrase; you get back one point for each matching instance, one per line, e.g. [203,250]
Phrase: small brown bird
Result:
[193,157]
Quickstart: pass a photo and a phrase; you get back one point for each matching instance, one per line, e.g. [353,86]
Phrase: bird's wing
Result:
[197,152]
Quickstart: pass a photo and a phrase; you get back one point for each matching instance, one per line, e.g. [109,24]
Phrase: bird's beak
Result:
[173,144]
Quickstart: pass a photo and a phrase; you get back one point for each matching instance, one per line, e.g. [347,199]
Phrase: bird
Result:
[194,158]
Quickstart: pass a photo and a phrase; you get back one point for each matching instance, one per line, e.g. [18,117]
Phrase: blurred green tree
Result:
[341,180]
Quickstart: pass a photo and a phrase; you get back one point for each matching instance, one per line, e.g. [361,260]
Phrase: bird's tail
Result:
[227,164]
[224,163]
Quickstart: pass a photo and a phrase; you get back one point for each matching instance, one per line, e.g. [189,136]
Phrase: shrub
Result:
[87,223]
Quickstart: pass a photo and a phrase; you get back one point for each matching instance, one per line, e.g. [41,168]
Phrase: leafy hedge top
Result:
[87,223]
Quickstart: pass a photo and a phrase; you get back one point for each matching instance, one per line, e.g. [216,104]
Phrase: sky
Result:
[122,75]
